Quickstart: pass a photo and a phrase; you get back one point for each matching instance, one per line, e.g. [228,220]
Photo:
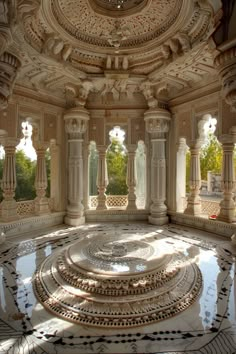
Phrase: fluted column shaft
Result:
[194,200]
[41,183]
[131,182]
[8,184]
[157,124]
[76,125]
[101,178]
[158,178]
[227,205]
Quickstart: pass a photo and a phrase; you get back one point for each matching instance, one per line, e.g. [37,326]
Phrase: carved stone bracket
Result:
[76,95]
[148,93]
[9,66]
[225,63]
[56,47]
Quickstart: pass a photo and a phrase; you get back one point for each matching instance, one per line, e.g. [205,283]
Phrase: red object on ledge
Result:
[212,217]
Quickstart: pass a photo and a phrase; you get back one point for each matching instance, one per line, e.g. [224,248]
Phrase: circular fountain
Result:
[117,281]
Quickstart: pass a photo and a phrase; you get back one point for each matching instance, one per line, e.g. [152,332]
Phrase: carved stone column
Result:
[194,200]
[41,183]
[157,124]
[225,63]
[131,183]
[227,205]
[9,65]
[180,175]
[55,175]
[8,185]
[101,178]
[76,124]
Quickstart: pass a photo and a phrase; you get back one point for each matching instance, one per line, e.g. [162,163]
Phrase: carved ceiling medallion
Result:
[118,8]
[81,20]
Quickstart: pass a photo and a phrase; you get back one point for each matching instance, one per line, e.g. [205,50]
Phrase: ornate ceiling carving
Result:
[62,42]
[118,8]
[79,20]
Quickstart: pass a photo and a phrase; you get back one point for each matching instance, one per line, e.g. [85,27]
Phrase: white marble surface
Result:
[208,326]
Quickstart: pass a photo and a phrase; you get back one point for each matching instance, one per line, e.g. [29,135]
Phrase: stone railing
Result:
[25,208]
[209,207]
[112,201]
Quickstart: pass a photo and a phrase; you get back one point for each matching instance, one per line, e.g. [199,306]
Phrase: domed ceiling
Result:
[86,23]
[164,42]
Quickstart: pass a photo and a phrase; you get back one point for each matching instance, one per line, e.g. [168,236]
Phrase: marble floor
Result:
[207,327]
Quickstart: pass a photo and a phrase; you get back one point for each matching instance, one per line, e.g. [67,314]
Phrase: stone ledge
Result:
[202,223]
[19,227]
[116,215]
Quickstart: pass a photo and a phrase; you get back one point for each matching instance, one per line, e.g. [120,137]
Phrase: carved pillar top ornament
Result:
[76,122]
[10,143]
[40,146]
[9,66]
[225,63]
[157,121]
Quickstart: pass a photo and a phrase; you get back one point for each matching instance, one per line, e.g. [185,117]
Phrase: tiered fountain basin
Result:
[117,281]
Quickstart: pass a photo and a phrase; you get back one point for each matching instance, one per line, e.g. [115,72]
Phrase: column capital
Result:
[227,140]
[76,121]
[131,148]
[101,149]
[157,120]
[225,63]
[40,146]
[9,142]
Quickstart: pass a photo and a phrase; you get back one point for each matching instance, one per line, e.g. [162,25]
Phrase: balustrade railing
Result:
[209,207]
[112,201]
[25,208]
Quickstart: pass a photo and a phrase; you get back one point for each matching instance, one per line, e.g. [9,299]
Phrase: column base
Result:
[41,206]
[131,205]
[9,210]
[101,207]
[101,202]
[68,220]
[162,220]
[226,218]
[227,210]
[193,209]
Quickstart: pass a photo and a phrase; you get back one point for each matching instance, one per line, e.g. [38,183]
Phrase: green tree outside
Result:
[117,167]
[211,155]
[25,176]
